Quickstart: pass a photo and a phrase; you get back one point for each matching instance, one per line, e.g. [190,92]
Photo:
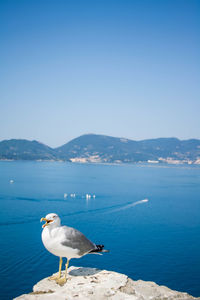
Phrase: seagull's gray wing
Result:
[77,240]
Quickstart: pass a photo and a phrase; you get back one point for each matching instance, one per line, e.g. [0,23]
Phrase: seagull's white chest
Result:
[52,240]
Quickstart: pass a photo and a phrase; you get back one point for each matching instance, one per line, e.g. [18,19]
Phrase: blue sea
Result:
[158,240]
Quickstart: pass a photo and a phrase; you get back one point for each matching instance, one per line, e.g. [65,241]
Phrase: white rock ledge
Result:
[94,284]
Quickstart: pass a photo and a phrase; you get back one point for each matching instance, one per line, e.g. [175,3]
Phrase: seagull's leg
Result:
[60,267]
[62,281]
[66,267]
[56,277]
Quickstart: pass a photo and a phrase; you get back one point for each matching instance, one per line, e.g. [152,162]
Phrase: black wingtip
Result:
[99,248]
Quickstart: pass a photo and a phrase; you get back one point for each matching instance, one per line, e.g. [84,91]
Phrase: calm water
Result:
[157,241]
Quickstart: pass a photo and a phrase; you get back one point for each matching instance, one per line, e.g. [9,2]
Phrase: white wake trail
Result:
[129,205]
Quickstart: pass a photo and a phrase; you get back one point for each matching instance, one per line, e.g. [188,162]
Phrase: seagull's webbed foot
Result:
[54,277]
[61,281]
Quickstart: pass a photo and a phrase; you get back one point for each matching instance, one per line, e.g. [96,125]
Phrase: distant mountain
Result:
[25,150]
[106,149]
[101,148]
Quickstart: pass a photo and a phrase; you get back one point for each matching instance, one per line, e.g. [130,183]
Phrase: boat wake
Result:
[104,210]
[126,206]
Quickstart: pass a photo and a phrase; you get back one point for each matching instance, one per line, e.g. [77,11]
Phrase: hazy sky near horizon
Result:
[126,68]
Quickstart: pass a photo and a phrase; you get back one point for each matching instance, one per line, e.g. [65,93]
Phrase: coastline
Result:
[145,163]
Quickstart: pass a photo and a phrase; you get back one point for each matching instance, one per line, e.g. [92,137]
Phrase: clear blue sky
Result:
[122,68]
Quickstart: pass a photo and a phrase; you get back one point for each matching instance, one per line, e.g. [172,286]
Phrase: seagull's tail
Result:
[99,248]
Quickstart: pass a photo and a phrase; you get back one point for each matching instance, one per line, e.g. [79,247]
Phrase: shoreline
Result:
[147,164]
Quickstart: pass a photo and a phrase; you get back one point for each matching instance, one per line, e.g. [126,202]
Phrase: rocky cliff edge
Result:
[94,284]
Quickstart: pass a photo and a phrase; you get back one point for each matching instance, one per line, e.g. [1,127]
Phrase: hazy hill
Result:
[26,150]
[101,145]
[110,149]
[101,148]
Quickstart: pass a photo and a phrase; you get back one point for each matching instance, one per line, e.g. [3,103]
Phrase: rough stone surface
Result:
[94,284]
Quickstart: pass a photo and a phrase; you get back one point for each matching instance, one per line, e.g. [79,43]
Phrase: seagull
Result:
[64,241]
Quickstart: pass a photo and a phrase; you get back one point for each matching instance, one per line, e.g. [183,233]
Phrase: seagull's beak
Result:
[46,220]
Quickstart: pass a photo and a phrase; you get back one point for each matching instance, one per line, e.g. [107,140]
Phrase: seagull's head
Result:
[52,220]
